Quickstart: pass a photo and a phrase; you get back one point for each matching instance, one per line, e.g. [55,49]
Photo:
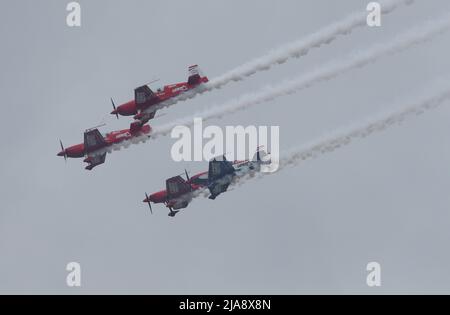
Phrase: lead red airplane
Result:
[95,145]
[146,102]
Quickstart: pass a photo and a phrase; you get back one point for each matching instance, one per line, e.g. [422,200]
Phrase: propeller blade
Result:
[63,150]
[149,204]
[114,107]
[187,176]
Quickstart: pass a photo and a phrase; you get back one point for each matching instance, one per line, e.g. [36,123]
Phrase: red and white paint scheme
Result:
[146,102]
[96,145]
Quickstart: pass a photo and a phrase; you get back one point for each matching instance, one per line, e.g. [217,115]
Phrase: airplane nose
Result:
[147,200]
[114,112]
[150,198]
[62,153]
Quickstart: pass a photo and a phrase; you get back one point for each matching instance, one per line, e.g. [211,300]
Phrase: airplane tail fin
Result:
[261,156]
[194,75]
[135,127]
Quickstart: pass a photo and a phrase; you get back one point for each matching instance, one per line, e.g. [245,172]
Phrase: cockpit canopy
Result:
[160,89]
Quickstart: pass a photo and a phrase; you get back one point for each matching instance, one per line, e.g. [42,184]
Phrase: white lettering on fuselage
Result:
[180,89]
[123,135]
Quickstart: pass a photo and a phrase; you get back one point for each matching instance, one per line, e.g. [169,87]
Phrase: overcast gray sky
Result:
[308,229]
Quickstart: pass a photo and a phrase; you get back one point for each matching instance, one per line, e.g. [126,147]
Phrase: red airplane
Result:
[146,102]
[178,194]
[95,146]
[220,175]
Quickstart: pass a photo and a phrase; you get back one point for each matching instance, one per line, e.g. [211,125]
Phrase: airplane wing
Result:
[177,186]
[93,140]
[95,160]
[220,175]
[219,186]
[178,193]
[143,97]
[218,169]
[152,115]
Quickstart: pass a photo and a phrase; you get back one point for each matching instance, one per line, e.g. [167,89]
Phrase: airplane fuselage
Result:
[111,138]
[162,95]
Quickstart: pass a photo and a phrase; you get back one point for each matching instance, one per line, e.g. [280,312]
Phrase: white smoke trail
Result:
[282,54]
[327,72]
[434,97]
[302,47]
[324,73]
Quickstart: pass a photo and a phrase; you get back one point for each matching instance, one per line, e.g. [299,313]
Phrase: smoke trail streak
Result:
[325,73]
[302,47]
[282,54]
[433,98]
[418,105]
